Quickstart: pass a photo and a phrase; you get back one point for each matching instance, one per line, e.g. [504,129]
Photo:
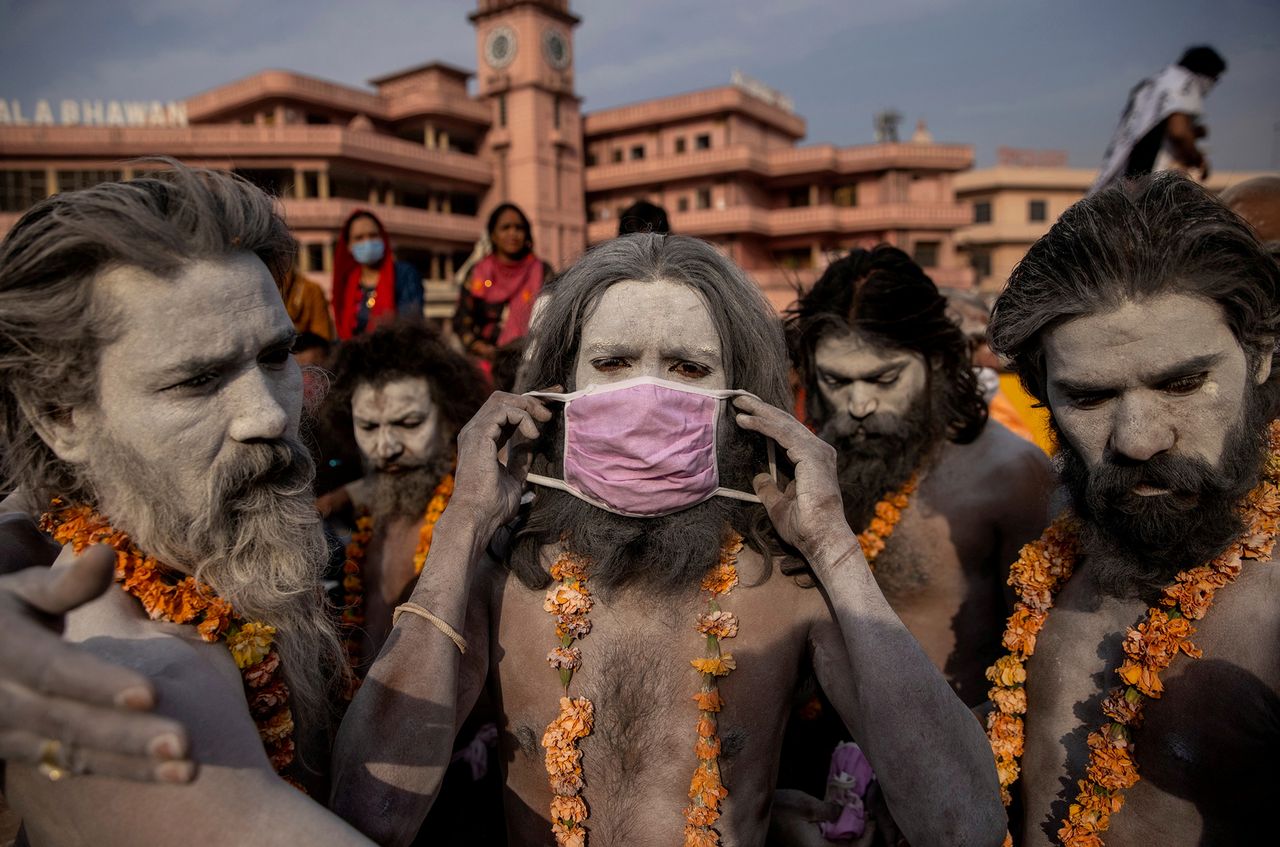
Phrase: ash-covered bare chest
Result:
[637,671]
[1204,748]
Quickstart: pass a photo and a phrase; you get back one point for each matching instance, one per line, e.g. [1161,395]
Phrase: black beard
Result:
[892,449]
[1139,544]
[404,494]
[663,555]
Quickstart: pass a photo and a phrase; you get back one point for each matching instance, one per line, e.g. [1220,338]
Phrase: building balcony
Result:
[275,85]
[808,220]
[696,105]
[790,163]
[231,142]
[402,222]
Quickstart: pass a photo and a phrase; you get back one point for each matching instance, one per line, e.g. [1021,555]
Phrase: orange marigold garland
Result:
[706,790]
[167,595]
[1149,647]
[885,519]
[357,547]
[570,602]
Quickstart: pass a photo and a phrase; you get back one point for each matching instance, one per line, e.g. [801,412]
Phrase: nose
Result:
[259,413]
[388,447]
[861,401]
[1140,432]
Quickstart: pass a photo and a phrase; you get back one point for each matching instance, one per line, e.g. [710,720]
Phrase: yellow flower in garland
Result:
[250,644]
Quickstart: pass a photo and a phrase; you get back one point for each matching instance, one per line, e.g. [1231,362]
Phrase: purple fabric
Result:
[847,783]
[646,449]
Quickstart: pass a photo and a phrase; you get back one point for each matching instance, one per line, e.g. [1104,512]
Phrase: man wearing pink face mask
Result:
[636,621]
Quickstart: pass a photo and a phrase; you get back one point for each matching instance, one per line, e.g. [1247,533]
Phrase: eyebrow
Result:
[602,348]
[1183,368]
[878,371]
[200,364]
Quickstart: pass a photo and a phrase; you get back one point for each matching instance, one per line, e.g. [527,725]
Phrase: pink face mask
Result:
[642,447]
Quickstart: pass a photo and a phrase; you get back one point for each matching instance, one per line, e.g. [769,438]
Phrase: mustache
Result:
[1185,477]
[284,467]
[842,426]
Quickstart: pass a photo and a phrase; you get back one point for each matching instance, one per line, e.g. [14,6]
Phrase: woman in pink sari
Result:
[496,302]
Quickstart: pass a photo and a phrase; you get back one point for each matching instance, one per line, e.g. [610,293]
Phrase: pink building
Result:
[432,155]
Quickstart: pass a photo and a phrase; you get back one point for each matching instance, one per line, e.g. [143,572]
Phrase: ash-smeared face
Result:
[867,390]
[397,424]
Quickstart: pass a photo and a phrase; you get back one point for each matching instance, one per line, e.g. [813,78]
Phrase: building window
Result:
[1037,211]
[980,261]
[315,257]
[591,159]
[926,253]
[703,141]
[682,203]
[795,259]
[798,196]
[76,180]
[637,152]
[555,112]
[703,198]
[680,144]
[313,119]
[502,110]
[20,190]
[617,156]
[982,212]
[845,195]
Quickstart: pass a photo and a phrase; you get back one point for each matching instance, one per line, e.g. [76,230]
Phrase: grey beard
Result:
[405,494]
[258,542]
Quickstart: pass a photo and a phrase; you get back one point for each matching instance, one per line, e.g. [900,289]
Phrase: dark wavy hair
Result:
[1139,239]
[887,298]
[492,224]
[399,350]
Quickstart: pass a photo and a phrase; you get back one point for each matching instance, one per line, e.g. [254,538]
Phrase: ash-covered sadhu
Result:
[1140,700]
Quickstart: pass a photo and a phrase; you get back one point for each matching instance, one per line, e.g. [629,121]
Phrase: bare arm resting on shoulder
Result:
[930,755]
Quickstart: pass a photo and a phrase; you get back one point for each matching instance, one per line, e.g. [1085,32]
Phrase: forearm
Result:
[395,741]
[929,753]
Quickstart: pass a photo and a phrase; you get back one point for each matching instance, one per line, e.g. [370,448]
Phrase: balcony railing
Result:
[400,221]
[230,141]
[781,162]
[809,220]
[283,85]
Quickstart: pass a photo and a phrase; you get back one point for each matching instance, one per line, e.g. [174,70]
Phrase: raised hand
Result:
[64,710]
[808,513]
[487,486]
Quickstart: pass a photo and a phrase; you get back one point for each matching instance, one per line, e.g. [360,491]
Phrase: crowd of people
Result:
[618,555]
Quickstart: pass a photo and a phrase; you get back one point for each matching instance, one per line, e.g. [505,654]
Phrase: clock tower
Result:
[535,142]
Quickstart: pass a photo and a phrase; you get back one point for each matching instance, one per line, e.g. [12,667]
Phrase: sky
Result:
[1051,74]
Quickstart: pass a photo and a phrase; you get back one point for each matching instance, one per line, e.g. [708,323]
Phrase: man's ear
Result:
[1264,361]
[64,430]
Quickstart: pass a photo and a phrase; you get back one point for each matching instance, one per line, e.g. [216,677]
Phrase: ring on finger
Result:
[51,763]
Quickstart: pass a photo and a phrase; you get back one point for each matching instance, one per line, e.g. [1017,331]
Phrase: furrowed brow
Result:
[1190,366]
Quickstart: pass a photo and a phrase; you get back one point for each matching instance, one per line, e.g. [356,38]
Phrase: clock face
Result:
[500,47]
[556,49]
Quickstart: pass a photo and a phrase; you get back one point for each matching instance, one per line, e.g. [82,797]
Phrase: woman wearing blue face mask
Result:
[369,285]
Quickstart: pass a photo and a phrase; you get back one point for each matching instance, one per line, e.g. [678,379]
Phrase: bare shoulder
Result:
[997,452]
